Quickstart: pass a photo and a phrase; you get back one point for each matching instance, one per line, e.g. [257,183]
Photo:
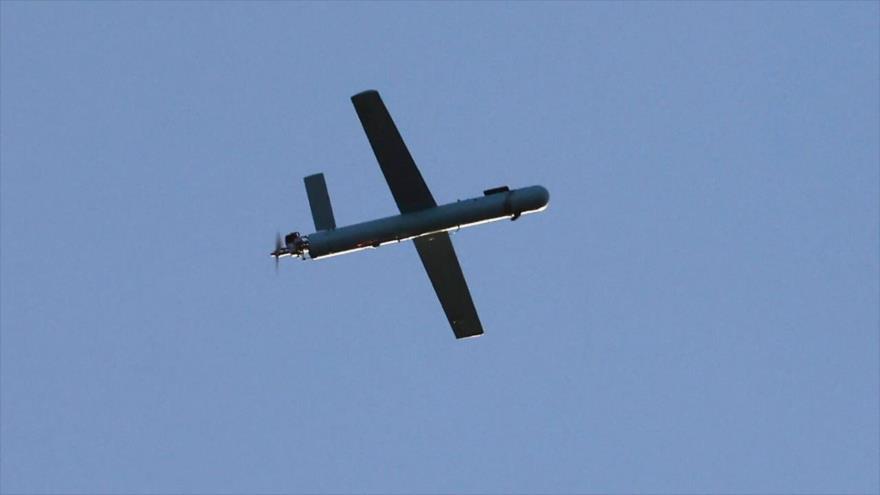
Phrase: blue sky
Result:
[696,311]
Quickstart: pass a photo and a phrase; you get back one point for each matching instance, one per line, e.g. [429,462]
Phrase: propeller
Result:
[277,253]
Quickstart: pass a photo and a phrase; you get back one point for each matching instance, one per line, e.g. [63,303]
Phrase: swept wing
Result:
[412,194]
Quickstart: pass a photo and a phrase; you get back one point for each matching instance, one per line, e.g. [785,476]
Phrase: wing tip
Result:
[468,330]
[369,93]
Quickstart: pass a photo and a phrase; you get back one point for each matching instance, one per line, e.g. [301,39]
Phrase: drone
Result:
[420,220]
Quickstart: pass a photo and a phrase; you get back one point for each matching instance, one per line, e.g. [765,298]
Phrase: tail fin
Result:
[319,200]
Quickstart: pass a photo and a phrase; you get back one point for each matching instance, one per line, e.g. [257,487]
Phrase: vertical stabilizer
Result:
[319,200]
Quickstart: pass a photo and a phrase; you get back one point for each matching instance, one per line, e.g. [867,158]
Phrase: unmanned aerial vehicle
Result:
[421,219]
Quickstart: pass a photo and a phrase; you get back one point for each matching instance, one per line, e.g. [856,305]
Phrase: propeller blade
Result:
[277,249]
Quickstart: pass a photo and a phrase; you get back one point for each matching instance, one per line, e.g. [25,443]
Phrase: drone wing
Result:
[403,177]
[440,262]
[412,194]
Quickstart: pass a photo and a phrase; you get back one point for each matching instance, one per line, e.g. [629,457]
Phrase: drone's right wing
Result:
[403,177]
[438,257]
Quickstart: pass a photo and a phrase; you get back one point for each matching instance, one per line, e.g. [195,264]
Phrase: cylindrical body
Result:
[441,218]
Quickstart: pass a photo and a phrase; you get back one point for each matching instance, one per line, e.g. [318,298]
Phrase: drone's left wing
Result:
[400,171]
[438,257]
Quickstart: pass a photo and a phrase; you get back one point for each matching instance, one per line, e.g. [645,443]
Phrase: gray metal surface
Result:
[446,217]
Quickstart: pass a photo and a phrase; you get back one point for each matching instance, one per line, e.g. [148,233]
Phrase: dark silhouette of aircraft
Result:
[420,218]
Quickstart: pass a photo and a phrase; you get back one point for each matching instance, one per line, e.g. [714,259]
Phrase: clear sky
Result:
[696,311]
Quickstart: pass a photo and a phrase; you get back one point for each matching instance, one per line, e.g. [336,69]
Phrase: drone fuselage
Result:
[494,205]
